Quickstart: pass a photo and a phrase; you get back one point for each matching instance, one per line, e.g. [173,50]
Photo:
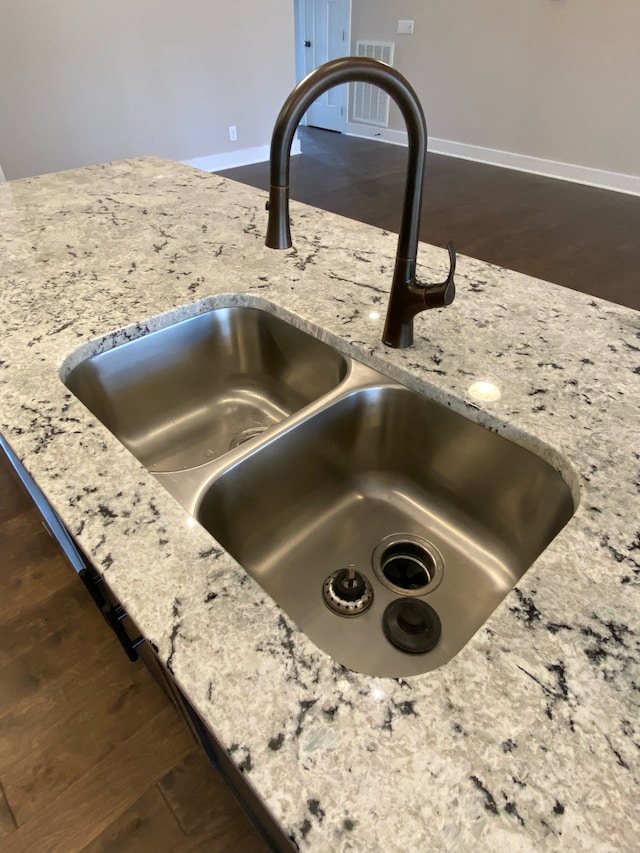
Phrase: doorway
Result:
[323,32]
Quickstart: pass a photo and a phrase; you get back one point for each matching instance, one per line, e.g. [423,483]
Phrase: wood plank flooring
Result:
[93,758]
[581,237]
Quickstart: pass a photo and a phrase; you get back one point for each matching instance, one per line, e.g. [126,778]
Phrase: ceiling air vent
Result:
[371,104]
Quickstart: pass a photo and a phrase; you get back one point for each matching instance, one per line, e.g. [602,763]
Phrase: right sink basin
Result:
[427,506]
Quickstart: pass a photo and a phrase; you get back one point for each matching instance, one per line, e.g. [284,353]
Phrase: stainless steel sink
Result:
[190,392]
[385,468]
[429,512]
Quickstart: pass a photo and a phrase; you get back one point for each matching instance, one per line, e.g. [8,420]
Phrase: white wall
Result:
[85,81]
[551,79]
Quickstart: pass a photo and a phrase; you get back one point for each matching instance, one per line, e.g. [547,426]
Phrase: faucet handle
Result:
[439,295]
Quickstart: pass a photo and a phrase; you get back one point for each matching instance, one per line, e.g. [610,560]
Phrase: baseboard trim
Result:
[381,134]
[231,159]
[616,181]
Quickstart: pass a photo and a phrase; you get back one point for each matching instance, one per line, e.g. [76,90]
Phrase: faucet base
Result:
[398,338]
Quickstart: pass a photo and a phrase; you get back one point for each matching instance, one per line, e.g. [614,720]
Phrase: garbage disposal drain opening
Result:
[408,564]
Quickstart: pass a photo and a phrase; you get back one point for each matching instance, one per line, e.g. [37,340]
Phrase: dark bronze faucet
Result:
[408,297]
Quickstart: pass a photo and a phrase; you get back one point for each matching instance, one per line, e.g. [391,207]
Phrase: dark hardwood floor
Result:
[583,238]
[93,758]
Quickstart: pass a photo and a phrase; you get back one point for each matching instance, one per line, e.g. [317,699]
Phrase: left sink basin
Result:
[186,394]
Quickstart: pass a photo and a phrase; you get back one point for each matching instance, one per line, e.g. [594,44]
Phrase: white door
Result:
[326,27]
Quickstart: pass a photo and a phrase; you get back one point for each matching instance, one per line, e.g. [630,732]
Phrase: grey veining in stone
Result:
[530,738]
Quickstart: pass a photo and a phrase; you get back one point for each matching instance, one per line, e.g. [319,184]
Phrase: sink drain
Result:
[408,564]
[245,435]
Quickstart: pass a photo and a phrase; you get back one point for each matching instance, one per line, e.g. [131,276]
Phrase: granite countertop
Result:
[530,738]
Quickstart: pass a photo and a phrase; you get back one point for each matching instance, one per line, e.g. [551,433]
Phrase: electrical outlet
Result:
[405,28]
[233,133]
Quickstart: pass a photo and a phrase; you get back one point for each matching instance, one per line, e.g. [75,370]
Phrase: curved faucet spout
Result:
[407,297]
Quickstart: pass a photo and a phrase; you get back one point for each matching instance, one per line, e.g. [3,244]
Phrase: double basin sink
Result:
[355,502]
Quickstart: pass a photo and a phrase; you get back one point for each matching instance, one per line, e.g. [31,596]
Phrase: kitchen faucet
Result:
[408,297]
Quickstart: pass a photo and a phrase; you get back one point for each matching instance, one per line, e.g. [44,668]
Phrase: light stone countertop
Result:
[530,738]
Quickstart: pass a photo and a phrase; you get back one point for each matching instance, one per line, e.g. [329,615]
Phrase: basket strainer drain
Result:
[245,435]
[347,592]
